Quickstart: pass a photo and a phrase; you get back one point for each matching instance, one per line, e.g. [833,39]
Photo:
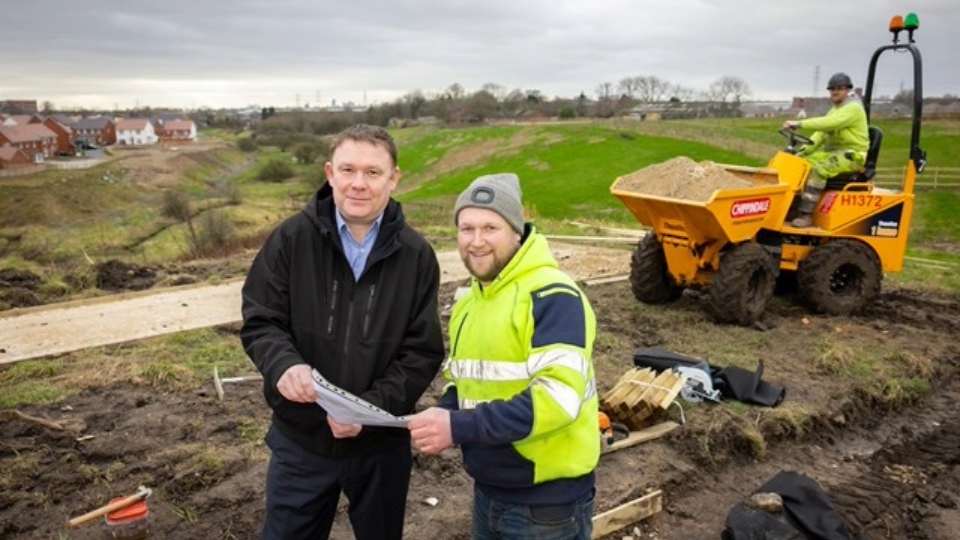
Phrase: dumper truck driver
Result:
[839,143]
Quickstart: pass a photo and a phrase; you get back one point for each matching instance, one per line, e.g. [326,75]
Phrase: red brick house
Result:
[35,140]
[178,130]
[64,133]
[96,130]
[13,158]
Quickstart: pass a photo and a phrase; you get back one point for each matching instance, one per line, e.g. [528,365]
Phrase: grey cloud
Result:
[344,50]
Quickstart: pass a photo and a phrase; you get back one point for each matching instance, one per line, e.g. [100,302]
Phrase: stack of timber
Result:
[640,395]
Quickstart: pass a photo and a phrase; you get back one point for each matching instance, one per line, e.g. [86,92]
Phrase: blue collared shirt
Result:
[357,252]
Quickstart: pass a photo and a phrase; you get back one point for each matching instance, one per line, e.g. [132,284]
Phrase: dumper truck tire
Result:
[650,280]
[840,277]
[743,285]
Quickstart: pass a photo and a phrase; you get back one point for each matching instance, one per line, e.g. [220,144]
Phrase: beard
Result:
[487,268]
[484,270]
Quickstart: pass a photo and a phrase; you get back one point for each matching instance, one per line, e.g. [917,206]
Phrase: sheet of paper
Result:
[347,408]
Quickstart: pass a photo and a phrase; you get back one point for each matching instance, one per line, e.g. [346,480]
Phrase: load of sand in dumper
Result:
[681,178]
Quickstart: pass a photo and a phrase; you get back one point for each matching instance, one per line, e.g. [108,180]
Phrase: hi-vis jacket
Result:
[844,127]
[522,393]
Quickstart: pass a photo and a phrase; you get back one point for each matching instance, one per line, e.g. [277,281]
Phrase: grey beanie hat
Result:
[497,192]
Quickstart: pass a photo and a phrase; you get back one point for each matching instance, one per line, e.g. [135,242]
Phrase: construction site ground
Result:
[892,472]
[887,454]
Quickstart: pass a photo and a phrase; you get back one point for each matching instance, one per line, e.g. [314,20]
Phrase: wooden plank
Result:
[620,389]
[615,398]
[59,328]
[637,385]
[606,279]
[644,435]
[627,514]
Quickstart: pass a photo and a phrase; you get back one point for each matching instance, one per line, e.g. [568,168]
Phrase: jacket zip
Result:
[366,317]
[333,306]
[453,349]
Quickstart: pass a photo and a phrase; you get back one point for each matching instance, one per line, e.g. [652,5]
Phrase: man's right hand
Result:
[791,124]
[296,384]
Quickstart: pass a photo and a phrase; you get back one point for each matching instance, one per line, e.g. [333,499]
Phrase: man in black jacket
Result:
[345,287]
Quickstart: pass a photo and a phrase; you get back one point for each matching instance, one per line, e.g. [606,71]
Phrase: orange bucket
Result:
[129,523]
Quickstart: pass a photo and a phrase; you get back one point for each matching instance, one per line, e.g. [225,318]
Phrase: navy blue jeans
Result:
[303,489]
[494,520]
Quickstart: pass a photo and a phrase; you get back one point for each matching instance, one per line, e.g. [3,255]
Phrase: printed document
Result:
[347,408]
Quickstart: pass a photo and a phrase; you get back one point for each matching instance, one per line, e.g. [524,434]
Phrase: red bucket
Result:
[129,523]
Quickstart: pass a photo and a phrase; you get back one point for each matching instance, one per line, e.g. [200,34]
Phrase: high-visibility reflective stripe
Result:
[489,370]
[590,393]
[470,403]
[557,357]
[566,397]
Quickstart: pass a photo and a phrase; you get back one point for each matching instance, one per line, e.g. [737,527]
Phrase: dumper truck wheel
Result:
[649,279]
[743,285]
[839,277]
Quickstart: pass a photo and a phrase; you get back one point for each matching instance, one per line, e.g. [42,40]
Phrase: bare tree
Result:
[482,105]
[455,92]
[682,93]
[514,101]
[628,86]
[651,88]
[497,91]
[414,102]
[604,91]
[725,88]
[534,96]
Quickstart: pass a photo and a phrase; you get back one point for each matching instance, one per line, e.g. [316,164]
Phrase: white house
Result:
[136,131]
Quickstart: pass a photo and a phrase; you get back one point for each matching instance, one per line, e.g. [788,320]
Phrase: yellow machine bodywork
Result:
[740,242]
[695,233]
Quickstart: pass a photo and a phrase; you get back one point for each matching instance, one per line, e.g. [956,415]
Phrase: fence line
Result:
[932,177]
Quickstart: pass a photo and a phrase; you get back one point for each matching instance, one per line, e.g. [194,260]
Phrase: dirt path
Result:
[59,328]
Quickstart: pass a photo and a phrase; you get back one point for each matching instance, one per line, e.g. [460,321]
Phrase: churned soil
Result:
[890,469]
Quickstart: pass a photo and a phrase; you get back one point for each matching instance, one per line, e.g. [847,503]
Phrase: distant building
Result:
[13,158]
[34,140]
[136,131]
[64,133]
[95,130]
[178,130]
[19,106]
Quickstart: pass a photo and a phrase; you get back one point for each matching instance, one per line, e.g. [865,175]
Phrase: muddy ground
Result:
[890,467]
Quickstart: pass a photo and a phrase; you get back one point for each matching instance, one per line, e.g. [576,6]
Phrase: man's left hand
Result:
[791,124]
[343,431]
[430,431]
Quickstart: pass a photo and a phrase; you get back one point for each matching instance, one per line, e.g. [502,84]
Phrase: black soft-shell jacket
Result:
[378,337]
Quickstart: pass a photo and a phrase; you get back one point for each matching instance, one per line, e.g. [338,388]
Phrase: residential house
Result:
[95,130]
[13,158]
[178,130]
[136,131]
[17,119]
[65,143]
[35,140]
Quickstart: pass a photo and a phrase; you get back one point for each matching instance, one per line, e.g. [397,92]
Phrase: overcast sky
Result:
[237,53]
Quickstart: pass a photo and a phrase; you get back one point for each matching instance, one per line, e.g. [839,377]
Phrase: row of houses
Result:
[31,139]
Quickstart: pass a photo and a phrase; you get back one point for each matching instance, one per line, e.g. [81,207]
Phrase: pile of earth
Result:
[681,178]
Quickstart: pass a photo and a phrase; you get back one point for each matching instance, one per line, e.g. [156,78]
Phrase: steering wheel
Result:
[794,139]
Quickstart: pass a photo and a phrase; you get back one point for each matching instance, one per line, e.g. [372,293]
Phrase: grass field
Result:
[61,217]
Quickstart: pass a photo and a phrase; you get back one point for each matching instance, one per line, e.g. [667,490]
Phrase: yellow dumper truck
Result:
[737,240]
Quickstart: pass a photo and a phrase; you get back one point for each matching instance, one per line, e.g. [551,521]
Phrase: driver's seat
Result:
[869,169]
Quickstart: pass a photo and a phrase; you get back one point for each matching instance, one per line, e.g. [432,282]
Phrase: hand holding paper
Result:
[347,408]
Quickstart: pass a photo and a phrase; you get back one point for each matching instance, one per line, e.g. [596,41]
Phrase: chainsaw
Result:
[610,431]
